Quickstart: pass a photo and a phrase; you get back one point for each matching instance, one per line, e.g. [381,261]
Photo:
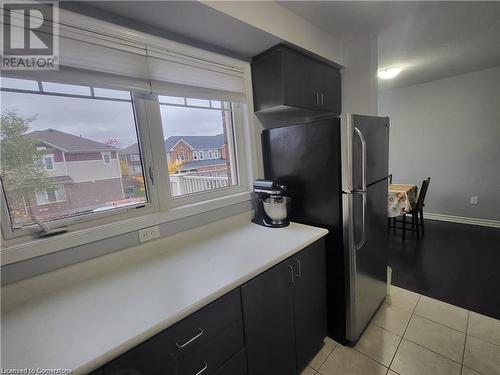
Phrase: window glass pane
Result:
[198,102]
[19,84]
[171,99]
[115,94]
[192,136]
[62,88]
[75,157]
[216,104]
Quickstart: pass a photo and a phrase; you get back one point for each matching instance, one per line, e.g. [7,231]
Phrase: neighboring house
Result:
[199,155]
[132,157]
[202,155]
[85,174]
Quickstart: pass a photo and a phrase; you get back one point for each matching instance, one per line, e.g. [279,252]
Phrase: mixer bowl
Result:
[277,208]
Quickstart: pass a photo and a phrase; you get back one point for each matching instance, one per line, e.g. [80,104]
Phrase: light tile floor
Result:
[416,335]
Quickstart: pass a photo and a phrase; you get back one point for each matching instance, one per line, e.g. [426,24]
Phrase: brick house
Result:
[85,174]
[199,155]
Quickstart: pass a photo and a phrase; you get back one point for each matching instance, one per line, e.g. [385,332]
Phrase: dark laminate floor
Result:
[454,263]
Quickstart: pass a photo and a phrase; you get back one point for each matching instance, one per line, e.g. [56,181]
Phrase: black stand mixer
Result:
[273,207]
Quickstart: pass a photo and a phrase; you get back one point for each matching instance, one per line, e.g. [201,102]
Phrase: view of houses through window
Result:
[198,144]
[68,150]
[61,150]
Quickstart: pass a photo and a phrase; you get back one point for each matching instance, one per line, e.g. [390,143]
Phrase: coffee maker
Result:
[273,207]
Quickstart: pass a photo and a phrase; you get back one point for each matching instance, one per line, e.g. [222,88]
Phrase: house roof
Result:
[197,142]
[69,142]
[133,149]
[202,163]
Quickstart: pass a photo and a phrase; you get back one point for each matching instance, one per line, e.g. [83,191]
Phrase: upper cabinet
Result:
[290,87]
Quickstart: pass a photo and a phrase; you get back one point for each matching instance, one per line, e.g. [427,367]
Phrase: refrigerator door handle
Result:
[359,133]
[361,242]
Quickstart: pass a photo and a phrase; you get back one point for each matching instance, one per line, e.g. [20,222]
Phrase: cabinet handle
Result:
[205,366]
[190,340]
[291,273]
[299,268]
[322,98]
[317,98]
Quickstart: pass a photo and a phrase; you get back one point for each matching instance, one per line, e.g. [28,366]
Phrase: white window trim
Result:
[47,197]
[108,154]
[160,209]
[51,157]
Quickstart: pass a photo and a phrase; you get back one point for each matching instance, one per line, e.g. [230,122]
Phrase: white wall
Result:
[359,76]
[449,130]
[279,21]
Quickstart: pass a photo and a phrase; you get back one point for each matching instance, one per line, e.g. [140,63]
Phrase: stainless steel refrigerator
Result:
[336,172]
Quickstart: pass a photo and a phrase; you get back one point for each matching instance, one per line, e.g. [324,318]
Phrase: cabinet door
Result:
[298,87]
[268,322]
[309,301]
[326,80]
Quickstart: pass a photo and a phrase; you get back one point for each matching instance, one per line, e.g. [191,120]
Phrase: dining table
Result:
[401,199]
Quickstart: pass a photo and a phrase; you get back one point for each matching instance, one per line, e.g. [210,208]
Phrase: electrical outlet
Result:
[474,200]
[150,233]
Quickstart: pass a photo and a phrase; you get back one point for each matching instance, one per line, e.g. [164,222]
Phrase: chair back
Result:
[423,192]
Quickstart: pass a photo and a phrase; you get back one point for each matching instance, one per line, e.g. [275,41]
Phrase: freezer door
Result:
[375,133]
[365,246]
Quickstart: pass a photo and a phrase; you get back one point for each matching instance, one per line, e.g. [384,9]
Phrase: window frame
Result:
[99,218]
[108,154]
[52,162]
[160,209]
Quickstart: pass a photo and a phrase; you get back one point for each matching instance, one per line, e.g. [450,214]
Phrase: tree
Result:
[20,168]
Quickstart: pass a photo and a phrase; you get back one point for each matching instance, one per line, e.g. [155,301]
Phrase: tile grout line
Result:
[465,342]
[328,356]
[444,325]
[407,324]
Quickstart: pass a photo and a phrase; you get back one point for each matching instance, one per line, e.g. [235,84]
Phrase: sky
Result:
[101,120]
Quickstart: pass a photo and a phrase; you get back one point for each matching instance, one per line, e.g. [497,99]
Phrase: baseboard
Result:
[463,220]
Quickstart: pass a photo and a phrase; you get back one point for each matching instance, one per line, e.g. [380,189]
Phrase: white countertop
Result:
[84,315]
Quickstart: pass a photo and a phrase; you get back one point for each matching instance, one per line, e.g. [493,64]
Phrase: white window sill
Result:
[13,251]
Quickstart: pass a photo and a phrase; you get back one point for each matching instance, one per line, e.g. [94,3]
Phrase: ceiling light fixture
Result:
[389,72]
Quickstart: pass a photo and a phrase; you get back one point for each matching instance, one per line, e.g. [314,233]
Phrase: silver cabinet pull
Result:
[291,273]
[322,98]
[299,267]
[317,98]
[179,346]
[205,366]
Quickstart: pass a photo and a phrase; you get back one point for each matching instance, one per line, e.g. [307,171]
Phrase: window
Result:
[106,157]
[135,158]
[195,155]
[203,125]
[84,128]
[48,162]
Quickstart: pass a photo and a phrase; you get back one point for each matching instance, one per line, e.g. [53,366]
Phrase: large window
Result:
[61,151]
[199,143]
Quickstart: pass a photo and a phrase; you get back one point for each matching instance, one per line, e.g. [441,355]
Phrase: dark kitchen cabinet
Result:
[200,343]
[268,321]
[291,86]
[309,302]
[284,313]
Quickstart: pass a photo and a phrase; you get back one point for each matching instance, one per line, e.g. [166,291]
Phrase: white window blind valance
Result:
[145,66]
[167,68]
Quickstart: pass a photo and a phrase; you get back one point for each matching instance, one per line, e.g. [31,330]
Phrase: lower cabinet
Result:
[284,312]
[274,324]
[199,344]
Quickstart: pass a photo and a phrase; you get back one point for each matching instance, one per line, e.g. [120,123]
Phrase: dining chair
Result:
[417,213]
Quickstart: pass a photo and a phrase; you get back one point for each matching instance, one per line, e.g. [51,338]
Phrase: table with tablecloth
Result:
[401,199]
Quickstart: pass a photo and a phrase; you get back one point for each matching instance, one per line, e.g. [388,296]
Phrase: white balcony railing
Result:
[186,183]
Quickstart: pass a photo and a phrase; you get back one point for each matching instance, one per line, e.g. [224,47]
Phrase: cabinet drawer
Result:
[210,355]
[165,352]
[200,327]
[237,365]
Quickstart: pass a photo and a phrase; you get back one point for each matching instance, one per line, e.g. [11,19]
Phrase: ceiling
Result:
[189,22]
[429,40]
